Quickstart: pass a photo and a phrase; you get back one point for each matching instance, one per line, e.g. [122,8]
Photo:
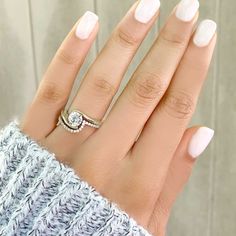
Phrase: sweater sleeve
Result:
[41,196]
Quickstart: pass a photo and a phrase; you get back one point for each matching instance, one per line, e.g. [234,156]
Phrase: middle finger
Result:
[103,78]
[149,82]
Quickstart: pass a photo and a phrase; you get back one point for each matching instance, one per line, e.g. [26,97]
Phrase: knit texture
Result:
[41,196]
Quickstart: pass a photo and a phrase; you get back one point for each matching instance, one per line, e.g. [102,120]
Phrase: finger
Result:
[56,85]
[194,142]
[102,81]
[146,86]
[163,132]
[103,78]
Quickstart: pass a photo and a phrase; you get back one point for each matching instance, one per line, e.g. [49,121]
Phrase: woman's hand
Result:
[142,155]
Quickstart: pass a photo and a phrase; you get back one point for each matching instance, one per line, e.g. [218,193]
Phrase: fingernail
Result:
[204,33]
[146,9]
[86,25]
[200,141]
[187,9]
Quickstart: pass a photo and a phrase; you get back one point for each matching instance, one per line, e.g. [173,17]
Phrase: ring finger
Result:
[102,80]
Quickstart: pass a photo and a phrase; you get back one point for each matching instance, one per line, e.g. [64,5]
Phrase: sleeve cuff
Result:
[41,196]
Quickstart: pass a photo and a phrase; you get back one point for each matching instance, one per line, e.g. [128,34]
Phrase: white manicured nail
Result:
[86,25]
[204,33]
[187,9]
[146,9]
[200,141]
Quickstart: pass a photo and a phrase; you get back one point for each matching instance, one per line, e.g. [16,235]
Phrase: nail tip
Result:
[142,14]
[92,14]
[200,141]
[208,130]
[86,25]
[187,9]
[210,22]
[204,33]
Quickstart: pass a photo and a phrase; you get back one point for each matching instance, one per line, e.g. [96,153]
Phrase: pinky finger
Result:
[195,140]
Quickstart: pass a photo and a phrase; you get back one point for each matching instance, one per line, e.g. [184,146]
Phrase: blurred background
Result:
[30,33]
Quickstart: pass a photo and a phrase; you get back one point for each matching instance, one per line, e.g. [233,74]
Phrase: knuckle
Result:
[51,93]
[103,87]
[163,207]
[67,57]
[156,224]
[163,211]
[125,39]
[200,65]
[146,88]
[179,105]
[173,40]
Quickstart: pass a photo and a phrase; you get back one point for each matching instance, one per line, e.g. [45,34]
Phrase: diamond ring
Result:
[75,121]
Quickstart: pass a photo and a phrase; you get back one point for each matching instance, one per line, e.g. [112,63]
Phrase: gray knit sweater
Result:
[41,196]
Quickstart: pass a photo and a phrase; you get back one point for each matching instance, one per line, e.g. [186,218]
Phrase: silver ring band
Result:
[76,120]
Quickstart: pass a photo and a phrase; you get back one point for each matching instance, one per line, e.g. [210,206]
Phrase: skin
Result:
[145,172]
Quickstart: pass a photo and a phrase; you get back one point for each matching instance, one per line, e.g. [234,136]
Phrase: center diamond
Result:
[75,119]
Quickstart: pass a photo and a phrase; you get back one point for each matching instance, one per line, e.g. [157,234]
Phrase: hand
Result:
[142,155]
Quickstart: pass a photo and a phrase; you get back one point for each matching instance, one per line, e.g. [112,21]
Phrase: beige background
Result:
[30,33]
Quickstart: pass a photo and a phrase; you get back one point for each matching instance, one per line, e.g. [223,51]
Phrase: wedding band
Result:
[75,121]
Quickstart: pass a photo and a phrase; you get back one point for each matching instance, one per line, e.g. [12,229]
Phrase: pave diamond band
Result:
[75,121]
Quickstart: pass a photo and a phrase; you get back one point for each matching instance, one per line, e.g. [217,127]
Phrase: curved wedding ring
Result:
[75,121]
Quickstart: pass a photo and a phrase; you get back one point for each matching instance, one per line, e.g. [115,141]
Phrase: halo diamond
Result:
[75,119]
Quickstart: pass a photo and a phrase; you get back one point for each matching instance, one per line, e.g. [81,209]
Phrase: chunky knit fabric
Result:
[41,196]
